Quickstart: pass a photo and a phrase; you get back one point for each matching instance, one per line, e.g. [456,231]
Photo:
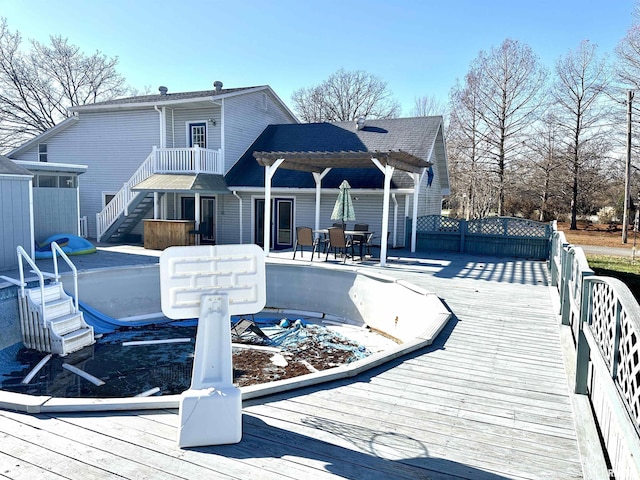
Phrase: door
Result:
[282,219]
[207,217]
[198,135]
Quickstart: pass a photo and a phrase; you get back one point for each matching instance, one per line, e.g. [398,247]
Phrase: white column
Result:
[156,206]
[388,173]
[318,179]
[414,216]
[269,172]
[197,211]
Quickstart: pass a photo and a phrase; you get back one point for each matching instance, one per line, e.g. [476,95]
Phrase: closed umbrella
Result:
[343,209]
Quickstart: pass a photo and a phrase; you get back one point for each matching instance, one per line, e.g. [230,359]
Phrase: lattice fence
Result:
[501,236]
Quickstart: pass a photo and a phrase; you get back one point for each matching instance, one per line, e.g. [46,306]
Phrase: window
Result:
[106,198]
[47,181]
[42,152]
[67,181]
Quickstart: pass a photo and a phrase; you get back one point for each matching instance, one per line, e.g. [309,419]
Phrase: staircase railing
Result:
[160,160]
[55,248]
[122,199]
[23,255]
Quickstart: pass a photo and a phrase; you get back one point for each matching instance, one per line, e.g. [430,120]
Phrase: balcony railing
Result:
[161,160]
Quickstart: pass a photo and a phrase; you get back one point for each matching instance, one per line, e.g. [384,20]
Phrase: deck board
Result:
[488,400]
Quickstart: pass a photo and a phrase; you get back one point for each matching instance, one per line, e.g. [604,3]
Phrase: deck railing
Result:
[160,160]
[605,323]
[500,236]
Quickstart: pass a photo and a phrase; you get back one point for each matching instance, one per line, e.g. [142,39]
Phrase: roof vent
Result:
[218,86]
[163,90]
[360,123]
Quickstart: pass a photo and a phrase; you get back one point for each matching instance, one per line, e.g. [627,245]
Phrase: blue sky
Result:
[419,47]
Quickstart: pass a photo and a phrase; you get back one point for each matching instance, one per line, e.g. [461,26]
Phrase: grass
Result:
[622,268]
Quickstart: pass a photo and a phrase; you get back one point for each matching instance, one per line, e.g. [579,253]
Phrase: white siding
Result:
[245,119]
[368,208]
[14,218]
[177,120]
[111,144]
[55,210]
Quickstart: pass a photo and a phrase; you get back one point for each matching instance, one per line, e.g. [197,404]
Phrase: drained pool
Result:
[395,316]
[158,359]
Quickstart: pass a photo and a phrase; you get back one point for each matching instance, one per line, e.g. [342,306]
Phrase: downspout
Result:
[235,194]
[32,232]
[78,201]
[222,142]
[163,133]
[395,219]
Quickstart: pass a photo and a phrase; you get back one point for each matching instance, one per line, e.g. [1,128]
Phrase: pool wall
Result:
[402,311]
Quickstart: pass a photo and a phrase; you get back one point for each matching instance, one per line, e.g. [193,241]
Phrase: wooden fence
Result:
[498,236]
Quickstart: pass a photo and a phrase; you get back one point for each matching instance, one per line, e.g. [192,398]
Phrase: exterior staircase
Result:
[138,208]
[57,327]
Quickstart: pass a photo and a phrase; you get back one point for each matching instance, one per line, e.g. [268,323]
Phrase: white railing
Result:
[188,160]
[23,255]
[160,160]
[55,250]
[84,232]
[605,321]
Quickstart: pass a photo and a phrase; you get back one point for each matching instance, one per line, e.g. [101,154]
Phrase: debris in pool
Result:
[279,360]
[36,369]
[148,393]
[87,376]
[155,342]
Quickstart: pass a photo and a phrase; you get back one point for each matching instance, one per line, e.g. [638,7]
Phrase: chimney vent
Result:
[218,86]
[360,123]
[163,90]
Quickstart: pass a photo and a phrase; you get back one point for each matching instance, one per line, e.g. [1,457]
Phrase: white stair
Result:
[63,329]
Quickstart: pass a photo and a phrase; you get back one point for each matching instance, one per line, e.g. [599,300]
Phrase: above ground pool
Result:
[375,317]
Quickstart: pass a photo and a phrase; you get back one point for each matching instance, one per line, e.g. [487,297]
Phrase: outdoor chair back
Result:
[361,240]
[339,243]
[304,238]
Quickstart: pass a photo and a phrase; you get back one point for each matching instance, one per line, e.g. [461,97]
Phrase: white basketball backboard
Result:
[187,273]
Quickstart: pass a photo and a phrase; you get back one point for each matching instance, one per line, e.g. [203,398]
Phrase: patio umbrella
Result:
[343,209]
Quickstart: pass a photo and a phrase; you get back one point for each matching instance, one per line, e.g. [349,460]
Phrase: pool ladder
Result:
[51,320]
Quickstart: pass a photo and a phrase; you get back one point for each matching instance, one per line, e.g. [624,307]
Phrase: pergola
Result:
[320,163]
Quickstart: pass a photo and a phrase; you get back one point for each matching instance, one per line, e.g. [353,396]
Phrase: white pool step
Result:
[62,331]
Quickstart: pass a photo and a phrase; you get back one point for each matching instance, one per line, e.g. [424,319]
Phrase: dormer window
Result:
[42,152]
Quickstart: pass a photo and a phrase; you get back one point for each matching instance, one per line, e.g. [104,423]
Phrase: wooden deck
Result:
[489,400]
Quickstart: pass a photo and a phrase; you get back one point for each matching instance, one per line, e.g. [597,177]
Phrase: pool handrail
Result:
[55,248]
[23,255]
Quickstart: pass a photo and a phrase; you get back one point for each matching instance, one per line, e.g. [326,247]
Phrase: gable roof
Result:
[414,136]
[8,168]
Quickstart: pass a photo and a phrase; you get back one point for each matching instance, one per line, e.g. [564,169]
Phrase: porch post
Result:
[388,173]
[197,211]
[414,216]
[269,171]
[155,206]
[318,179]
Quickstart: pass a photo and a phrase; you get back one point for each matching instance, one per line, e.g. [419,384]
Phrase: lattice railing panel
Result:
[628,374]
[437,223]
[603,320]
[514,227]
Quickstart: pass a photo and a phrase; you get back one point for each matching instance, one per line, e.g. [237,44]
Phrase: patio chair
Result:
[304,238]
[338,242]
[361,241]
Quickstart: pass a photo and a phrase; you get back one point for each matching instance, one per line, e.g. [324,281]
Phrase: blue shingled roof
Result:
[412,135]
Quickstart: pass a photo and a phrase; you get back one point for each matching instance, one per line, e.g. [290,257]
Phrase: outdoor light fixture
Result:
[212,122]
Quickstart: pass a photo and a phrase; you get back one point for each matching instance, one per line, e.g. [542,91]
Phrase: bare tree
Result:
[427,106]
[345,96]
[510,86]
[473,181]
[579,94]
[548,164]
[37,87]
